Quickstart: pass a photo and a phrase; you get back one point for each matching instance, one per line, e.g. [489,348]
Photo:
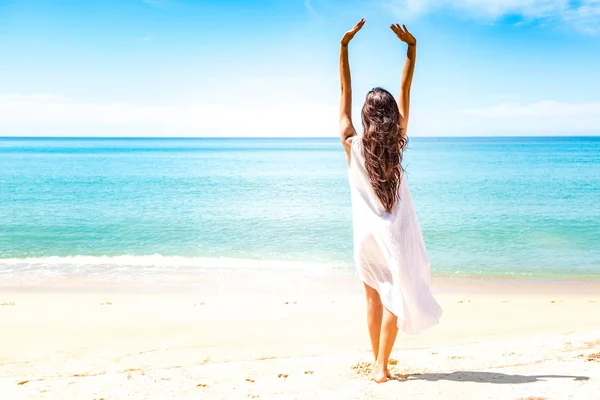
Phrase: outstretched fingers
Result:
[358,25]
[350,34]
[398,31]
[402,33]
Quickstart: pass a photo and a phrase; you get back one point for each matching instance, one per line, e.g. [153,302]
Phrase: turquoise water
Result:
[487,206]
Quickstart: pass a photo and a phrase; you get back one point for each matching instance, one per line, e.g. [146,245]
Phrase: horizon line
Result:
[293,137]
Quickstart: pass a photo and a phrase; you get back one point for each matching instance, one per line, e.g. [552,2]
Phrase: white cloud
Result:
[547,117]
[55,115]
[584,14]
[36,97]
[586,17]
[19,113]
[546,108]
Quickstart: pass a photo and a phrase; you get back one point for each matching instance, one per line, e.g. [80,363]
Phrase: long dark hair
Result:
[383,144]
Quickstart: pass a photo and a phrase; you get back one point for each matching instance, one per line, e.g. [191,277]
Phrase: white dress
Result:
[389,250]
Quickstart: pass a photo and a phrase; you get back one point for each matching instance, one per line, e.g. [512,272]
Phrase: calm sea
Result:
[487,206]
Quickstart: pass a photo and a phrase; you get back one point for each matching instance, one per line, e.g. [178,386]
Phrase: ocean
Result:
[89,207]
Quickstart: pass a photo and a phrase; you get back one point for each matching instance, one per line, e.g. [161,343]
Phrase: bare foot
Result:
[380,374]
[387,371]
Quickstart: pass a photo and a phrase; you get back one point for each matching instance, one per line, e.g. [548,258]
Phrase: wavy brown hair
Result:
[383,144]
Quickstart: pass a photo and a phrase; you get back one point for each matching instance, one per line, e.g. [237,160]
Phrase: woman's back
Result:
[361,183]
[389,250]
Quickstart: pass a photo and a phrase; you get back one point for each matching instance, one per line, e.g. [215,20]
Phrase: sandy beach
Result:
[284,340]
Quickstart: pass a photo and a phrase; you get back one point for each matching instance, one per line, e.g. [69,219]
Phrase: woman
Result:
[389,250]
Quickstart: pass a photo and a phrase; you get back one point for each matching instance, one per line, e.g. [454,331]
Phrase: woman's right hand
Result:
[350,34]
[403,34]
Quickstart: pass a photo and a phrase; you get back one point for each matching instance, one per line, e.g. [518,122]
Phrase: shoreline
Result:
[157,264]
[190,283]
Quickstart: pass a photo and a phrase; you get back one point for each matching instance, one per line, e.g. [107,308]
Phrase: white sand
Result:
[275,341]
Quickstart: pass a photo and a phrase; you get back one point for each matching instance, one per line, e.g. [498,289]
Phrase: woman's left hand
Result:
[403,34]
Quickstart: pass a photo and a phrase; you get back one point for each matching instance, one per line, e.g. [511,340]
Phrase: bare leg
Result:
[389,330]
[374,317]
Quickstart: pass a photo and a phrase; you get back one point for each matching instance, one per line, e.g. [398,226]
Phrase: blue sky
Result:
[270,68]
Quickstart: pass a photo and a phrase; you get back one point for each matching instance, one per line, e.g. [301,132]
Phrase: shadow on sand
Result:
[485,377]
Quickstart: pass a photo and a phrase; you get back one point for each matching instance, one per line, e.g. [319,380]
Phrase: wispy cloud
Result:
[155,3]
[309,5]
[584,15]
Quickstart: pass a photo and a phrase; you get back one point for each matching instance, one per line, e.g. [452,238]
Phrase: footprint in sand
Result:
[202,385]
[282,376]
[309,372]
[249,380]
[532,398]
[8,303]
[362,368]
[108,303]
[591,357]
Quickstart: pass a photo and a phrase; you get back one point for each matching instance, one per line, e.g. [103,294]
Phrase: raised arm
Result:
[347,131]
[407,74]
